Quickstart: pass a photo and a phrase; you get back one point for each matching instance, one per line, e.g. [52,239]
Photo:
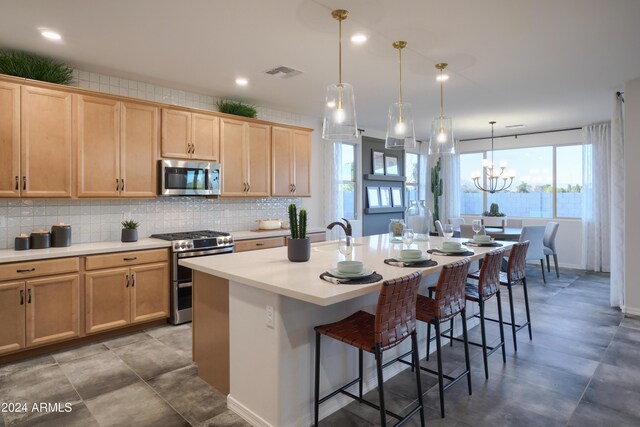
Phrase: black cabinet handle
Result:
[248,187]
[133,280]
[22,297]
[127,285]
[193,148]
[117,184]
[122,186]
[294,188]
[28,296]
[259,244]
[131,259]
[28,270]
[24,182]
[17,182]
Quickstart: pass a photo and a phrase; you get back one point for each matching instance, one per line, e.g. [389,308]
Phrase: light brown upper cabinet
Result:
[10,140]
[187,135]
[244,158]
[45,143]
[117,143]
[290,162]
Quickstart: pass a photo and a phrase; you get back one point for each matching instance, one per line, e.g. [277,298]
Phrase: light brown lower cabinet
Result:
[39,311]
[116,297]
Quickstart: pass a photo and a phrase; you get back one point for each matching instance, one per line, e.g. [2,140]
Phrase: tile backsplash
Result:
[99,220]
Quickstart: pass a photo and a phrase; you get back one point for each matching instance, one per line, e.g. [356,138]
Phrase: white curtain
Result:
[596,197]
[333,194]
[451,187]
[617,203]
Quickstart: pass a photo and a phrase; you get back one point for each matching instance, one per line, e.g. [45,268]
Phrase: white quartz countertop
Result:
[80,249]
[260,234]
[270,270]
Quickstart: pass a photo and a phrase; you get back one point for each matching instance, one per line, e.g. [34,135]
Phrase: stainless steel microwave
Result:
[189,178]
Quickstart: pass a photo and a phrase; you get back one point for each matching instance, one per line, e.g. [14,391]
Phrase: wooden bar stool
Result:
[514,275]
[448,302]
[394,321]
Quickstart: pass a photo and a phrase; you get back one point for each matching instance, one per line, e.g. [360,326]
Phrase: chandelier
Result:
[496,178]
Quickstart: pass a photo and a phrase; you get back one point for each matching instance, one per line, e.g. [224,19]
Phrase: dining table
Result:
[507,233]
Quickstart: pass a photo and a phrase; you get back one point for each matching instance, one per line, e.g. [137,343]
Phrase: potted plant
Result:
[237,108]
[35,67]
[494,212]
[299,245]
[129,231]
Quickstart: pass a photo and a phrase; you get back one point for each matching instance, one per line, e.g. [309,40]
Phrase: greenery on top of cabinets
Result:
[236,108]
[35,67]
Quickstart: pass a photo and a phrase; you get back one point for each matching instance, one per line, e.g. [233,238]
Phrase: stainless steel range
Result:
[188,245]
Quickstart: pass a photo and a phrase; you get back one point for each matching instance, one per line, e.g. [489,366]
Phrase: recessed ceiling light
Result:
[51,35]
[442,77]
[241,81]
[358,38]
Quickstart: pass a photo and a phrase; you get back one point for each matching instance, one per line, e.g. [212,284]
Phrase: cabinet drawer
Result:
[253,244]
[123,259]
[317,237]
[22,270]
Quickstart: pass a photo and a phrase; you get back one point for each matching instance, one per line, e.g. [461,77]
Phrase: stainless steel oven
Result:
[189,178]
[190,245]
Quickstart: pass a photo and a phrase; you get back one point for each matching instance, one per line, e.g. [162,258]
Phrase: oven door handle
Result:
[204,253]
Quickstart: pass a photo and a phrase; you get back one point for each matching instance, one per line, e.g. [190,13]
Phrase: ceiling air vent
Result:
[284,72]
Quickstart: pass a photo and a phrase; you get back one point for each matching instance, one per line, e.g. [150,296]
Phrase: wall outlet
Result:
[270,314]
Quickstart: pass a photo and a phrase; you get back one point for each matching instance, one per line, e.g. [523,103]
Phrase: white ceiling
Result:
[547,64]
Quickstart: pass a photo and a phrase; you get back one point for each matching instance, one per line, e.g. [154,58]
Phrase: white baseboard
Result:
[631,310]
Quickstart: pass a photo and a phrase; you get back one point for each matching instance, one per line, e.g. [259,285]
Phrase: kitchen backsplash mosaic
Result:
[99,220]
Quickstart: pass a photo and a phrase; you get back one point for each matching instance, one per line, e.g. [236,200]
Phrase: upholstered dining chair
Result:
[549,243]
[466,231]
[514,223]
[456,222]
[535,235]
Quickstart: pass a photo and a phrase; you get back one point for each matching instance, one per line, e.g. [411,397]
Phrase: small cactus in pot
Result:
[298,246]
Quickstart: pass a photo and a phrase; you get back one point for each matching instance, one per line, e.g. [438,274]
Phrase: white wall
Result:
[99,220]
[632,201]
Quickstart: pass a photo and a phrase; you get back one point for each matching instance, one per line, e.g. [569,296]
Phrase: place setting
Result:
[481,240]
[411,258]
[349,272]
[451,248]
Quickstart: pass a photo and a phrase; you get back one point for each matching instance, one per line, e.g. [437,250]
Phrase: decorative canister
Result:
[40,239]
[396,228]
[22,242]
[61,235]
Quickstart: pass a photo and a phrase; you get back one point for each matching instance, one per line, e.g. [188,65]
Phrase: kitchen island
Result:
[253,320]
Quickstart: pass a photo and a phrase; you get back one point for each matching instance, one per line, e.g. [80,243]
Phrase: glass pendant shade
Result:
[400,130]
[441,142]
[339,122]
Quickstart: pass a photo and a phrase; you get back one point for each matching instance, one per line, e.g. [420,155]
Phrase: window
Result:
[347,178]
[412,173]
[569,181]
[471,199]
[532,193]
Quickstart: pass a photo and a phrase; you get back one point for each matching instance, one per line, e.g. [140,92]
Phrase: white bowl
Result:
[482,238]
[451,245]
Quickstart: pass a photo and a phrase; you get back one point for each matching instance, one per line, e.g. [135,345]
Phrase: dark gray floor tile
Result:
[622,377]
[227,419]
[630,321]
[575,347]
[622,354]
[614,397]
[98,374]
[26,365]
[628,335]
[554,359]
[592,415]
[193,398]
[344,418]
[46,384]
[79,352]
[150,358]
[178,338]
[79,416]
[114,343]
[134,405]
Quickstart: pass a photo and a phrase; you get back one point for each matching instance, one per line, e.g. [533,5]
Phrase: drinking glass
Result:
[447,231]
[476,225]
[345,245]
[407,236]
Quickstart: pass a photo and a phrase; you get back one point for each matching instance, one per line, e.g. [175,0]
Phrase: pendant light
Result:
[339,122]
[400,131]
[493,174]
[441,142]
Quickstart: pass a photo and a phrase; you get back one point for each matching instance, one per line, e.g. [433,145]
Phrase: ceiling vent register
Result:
[284,72]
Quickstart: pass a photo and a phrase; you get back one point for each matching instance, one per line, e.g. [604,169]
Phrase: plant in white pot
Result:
[299,246]
[129,231]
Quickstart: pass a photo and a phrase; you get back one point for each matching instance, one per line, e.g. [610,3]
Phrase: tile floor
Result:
[581,369]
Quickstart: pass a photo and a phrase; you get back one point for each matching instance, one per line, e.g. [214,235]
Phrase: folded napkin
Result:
[397,263]
[486,245]
[372,278]
[440,253]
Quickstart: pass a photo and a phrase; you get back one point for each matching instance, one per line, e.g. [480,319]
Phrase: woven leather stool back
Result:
[449,295]
[396,310]
[517,261]
[489,280]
